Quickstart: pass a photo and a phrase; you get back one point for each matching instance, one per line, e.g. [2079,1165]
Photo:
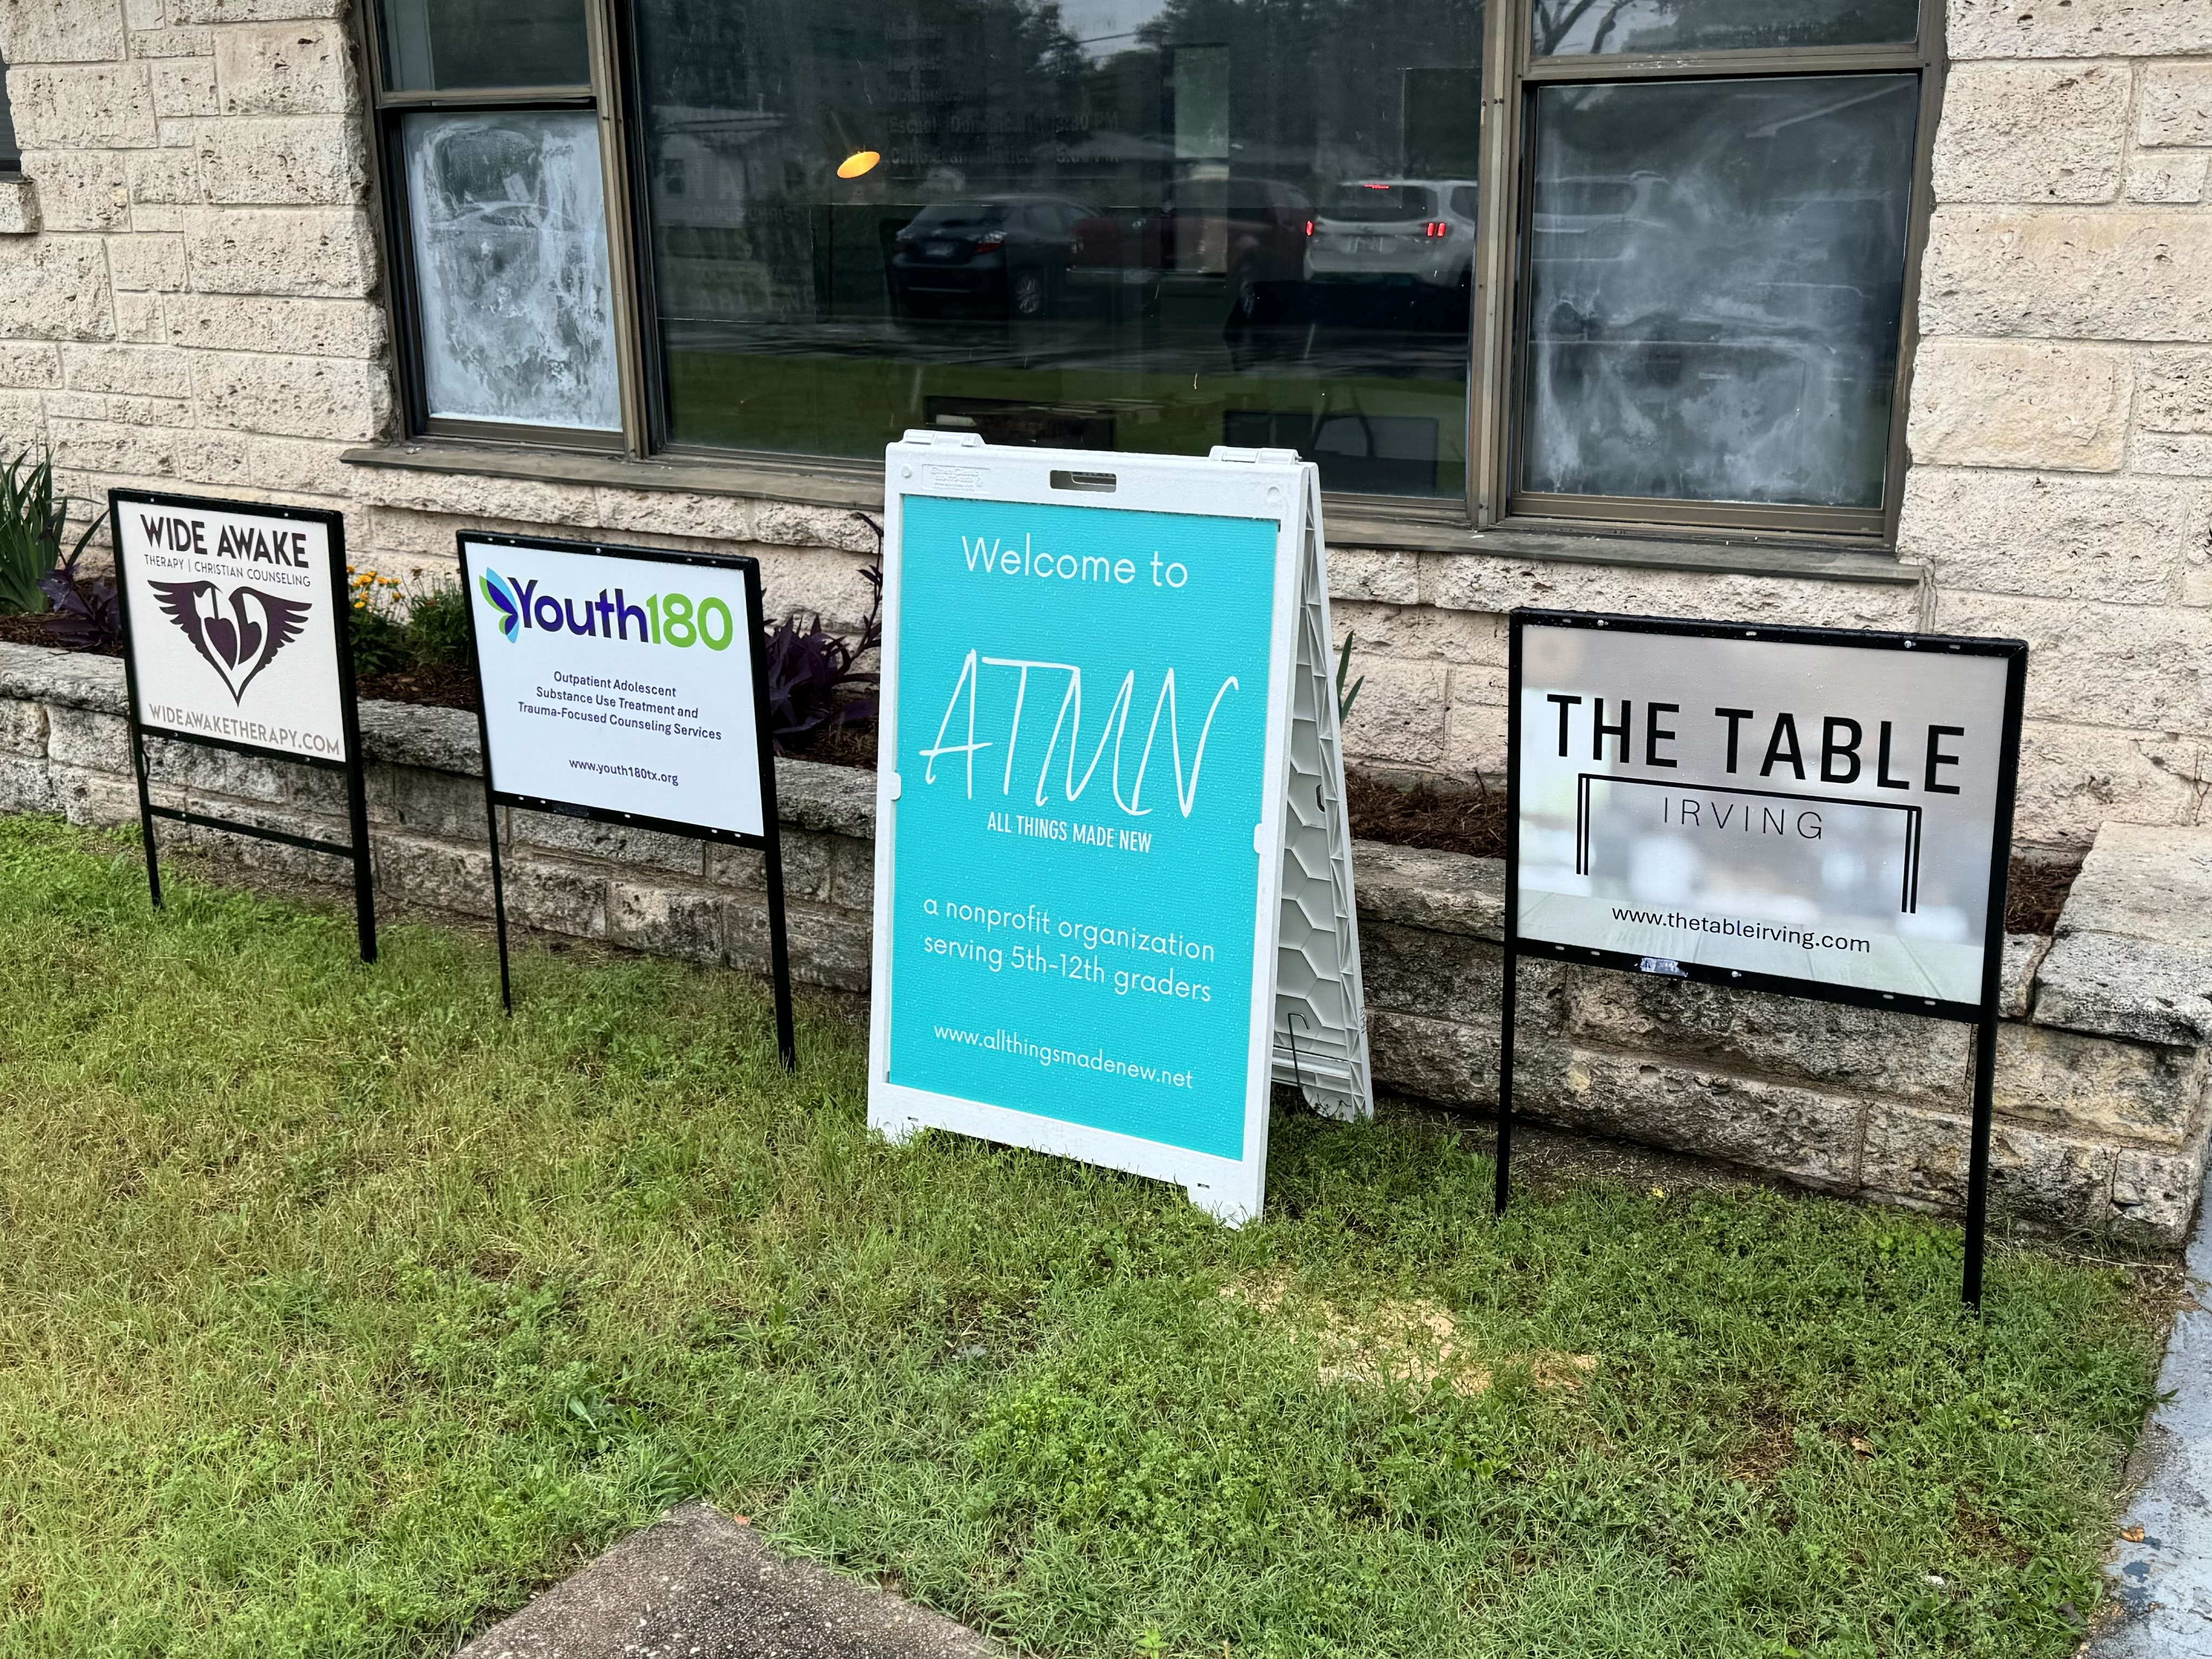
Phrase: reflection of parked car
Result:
[1208,233]
[1384,229]
[1009,255]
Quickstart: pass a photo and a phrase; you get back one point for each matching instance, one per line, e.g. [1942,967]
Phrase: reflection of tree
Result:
[1317,86]
[941,75]
[1001,92]
[1602,25]
[1557,21]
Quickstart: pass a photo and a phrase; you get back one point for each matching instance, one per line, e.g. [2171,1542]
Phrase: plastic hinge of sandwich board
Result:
[943,440]
[1320,1025]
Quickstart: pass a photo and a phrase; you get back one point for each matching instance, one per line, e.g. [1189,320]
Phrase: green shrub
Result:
[438,629]
[379,644]
[380,637]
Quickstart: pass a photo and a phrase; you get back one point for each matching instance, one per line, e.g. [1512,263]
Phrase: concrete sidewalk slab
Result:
[696,1585]
[2162,1584]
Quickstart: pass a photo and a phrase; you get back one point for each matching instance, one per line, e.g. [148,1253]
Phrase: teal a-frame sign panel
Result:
[1113,888]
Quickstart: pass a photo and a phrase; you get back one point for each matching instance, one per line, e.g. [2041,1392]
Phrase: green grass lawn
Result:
[337,1314]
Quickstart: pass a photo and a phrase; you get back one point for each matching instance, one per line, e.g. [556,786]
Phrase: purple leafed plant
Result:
[813,675]
[86,614]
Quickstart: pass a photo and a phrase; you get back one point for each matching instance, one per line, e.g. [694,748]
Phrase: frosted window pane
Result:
[511,268]
[1715,281]
[1581,27]
[448,44]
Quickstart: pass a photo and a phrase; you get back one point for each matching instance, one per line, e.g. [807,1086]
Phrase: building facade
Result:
[1855,312]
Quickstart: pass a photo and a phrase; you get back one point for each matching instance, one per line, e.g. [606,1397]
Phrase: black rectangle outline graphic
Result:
[1909,900]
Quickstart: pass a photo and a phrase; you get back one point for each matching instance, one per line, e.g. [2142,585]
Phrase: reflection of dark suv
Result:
[1206,234]
[1007,255]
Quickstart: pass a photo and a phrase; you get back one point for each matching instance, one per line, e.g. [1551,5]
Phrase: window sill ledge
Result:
[1356,523]
[1714,553]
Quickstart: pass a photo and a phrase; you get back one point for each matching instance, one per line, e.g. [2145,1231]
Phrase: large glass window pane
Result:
[511,268]
[1121,224]
[1582,27]
[450,44]
[1715,279]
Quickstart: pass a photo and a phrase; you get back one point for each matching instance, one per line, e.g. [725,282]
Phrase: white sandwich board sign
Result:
[1113,900]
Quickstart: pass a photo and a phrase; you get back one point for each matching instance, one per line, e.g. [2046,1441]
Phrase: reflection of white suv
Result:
[1380,228]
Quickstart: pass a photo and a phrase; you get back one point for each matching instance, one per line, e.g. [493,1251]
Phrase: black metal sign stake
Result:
[356,847]
[768,842]
[1985,1036]
[1982,1015]
[1510,984]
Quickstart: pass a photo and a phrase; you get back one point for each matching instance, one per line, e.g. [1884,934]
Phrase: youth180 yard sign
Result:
[626,685]
[1113,875]
[234,621]
[1815,811]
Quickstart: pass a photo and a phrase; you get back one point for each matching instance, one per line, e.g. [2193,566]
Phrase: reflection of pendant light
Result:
[858,162]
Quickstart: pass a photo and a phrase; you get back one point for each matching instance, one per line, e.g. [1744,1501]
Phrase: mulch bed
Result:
[842,745]
[2036,893]
[19,628]
[454,689]
[1464,820]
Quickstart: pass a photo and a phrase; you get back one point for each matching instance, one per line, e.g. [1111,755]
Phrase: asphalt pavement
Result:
[699,1585]
[2160,1576]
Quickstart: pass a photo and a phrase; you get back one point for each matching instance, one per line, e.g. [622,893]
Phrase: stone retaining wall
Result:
[2101,1086]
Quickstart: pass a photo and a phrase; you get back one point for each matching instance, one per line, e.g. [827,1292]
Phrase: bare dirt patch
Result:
[1400,1342]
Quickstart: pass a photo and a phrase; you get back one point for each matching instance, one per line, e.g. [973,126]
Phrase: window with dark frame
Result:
[1663,287]
[1703,271]
[489,133]
[11,157]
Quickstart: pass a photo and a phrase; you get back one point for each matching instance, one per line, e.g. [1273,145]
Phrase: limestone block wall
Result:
[65,747]
[192,295]
[2102,1083]
[2061,422]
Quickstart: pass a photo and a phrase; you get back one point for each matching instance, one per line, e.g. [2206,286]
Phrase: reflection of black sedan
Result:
[1007,255]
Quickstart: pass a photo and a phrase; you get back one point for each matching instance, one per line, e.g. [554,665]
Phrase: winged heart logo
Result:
[238,637]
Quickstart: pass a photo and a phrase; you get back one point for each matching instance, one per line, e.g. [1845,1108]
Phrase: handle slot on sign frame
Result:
[1813,812]
[237,636]
[627,686]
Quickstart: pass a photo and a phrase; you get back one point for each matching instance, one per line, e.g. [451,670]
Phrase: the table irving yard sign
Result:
[1814,811]
[1113,900]
[626,685]
[235,626]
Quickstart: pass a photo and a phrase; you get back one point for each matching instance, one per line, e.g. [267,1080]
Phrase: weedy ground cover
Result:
[338,1315]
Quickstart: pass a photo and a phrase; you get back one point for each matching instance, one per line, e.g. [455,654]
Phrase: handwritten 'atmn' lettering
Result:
[961,711]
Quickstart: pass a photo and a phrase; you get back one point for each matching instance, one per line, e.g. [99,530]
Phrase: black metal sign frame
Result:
[356,847]
[1982,1014]
[769,843]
